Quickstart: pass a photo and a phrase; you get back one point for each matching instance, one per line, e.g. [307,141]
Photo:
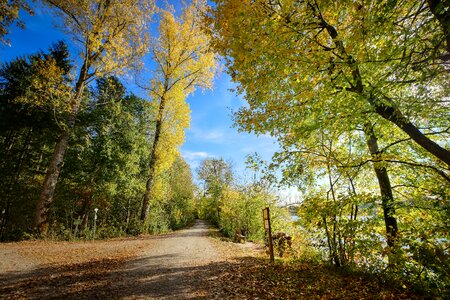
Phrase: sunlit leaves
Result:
[9,14]
[113,35]
[49,88]
[315,73]
[184,63]
[286,59]
[40,81]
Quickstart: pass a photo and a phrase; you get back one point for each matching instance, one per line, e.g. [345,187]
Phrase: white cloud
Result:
[194,155]
[213,135]
[193,158]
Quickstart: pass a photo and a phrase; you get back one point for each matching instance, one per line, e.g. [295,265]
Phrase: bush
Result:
[135,227]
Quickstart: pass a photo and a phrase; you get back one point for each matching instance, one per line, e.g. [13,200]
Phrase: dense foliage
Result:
[236,208]
[27,132]
[105,166]
[112,37]
[356,92]
[72,134]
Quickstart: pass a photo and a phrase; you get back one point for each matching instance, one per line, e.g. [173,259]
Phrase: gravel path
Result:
[186,264]
[173,266]
[188,247]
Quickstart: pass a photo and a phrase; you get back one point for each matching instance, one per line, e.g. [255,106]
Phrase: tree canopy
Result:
[356,93]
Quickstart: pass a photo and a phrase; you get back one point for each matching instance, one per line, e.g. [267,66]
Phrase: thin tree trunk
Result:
[153,159]
[9,142]
[336,254]
[355,206]
[330,247]
[41,219]
[38,167]
[353,216]
[128,212]
[439,8]
[387,198]
[85,222]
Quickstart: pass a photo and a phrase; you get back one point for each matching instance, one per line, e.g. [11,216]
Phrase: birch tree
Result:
[112,36]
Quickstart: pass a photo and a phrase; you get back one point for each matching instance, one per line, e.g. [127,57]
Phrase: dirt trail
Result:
[173,266]
[189,247]
[183,265]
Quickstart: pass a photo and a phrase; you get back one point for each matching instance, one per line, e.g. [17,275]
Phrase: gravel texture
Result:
[178,265]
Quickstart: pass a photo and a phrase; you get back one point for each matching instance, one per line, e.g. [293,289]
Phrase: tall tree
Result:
[217,176]
[180,194]
[184,62]
[304,65]
[375,56]
[387,197]
[113,36]
[33,93]
[106,161]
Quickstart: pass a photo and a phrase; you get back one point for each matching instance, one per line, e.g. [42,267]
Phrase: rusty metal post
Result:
[268,229]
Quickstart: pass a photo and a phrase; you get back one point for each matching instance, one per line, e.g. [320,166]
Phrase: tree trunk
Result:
[153,159]
[354,207]
[385,107]
[38,167]
[331,246]
[41,219]
[388,111]
[335,244]
[387,198]
[127,220]
[439,8]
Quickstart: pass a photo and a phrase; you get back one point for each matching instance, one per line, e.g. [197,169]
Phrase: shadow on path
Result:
[184,265]
[107,280]
[174,266]
[244,278]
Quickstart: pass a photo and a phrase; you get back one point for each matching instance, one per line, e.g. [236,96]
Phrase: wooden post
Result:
[268,229]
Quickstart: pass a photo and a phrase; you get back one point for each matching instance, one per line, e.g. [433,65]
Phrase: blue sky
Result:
[211,133]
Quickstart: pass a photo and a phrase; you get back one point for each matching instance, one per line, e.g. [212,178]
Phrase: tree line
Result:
[73,138]
[235,205]
[105,166]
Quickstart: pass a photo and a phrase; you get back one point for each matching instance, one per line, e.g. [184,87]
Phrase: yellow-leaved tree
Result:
[112,36]
[9,15]
[184,62]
